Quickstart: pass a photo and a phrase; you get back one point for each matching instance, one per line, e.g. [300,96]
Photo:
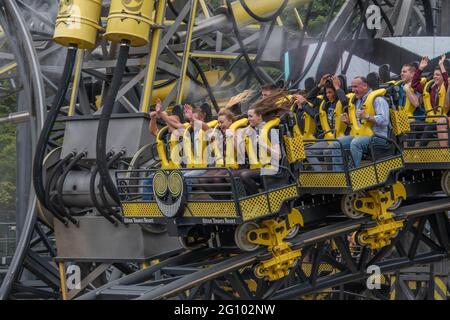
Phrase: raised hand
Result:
[424,63]
[158,106]
[336,82]
[323,80]
[442,60]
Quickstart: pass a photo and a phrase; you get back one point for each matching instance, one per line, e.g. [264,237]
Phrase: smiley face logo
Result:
[133,5]
[170,193]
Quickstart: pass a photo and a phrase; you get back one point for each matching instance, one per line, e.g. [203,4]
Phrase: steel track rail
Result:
[38,110]
[308,238]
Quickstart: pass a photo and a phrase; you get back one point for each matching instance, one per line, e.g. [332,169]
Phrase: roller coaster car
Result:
[427,147]
[380,165]
[200,200]
[379,170]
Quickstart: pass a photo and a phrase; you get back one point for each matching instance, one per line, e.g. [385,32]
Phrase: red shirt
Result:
[419,87]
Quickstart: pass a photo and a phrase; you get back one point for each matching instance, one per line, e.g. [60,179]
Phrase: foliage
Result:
[7,156]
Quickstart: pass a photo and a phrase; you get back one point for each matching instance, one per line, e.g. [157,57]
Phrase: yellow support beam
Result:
[76,82]
[151,65]
[211,55]
[204,8]
[8,67]
[279,21]
[299,19]
[62,279]
[187,51]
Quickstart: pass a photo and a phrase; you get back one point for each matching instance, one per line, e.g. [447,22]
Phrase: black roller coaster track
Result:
[210,273]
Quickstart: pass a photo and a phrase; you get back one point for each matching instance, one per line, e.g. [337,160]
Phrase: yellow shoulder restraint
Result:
[173,159]
[409,107]
[429,111]
[231,160]
[340,127]
[310,127]
[262,159]
[364,129]
[195,150]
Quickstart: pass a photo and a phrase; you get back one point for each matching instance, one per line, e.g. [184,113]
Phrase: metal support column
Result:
[187,51]
[153,57]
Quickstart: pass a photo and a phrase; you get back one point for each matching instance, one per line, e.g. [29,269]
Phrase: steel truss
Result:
[38,72]
[328,261]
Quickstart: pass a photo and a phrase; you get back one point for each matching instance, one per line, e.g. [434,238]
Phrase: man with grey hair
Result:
[359,145]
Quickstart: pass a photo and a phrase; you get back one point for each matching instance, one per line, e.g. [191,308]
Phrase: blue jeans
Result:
[357,146]
[148,188]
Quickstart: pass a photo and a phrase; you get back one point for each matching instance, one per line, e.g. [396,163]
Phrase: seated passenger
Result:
[359,145]
[225,120]
[440,78]
[172,122]
[333,94]
[312,95]
[259,114]
[411,100]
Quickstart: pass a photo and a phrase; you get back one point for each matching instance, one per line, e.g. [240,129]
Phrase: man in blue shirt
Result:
[359,145]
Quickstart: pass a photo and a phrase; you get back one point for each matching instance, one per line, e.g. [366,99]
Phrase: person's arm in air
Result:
[164,116]
[339,92]
[315,91]
[416,82]
[303,104]
[153,125]
[443,70]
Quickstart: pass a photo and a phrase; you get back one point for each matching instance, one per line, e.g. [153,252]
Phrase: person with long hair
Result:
[333,95]
[259,114]
[441,79]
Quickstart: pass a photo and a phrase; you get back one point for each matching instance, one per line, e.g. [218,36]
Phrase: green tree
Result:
[7,156]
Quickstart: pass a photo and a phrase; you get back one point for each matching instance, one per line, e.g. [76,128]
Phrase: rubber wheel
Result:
[358,239]
[397,204]
[347,206]
[240,236]
[445,182]
[293,232]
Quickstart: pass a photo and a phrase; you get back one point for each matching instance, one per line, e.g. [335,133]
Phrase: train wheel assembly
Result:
[272,235]
[445,182]
[348,208]
[241,236]
[377,204]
